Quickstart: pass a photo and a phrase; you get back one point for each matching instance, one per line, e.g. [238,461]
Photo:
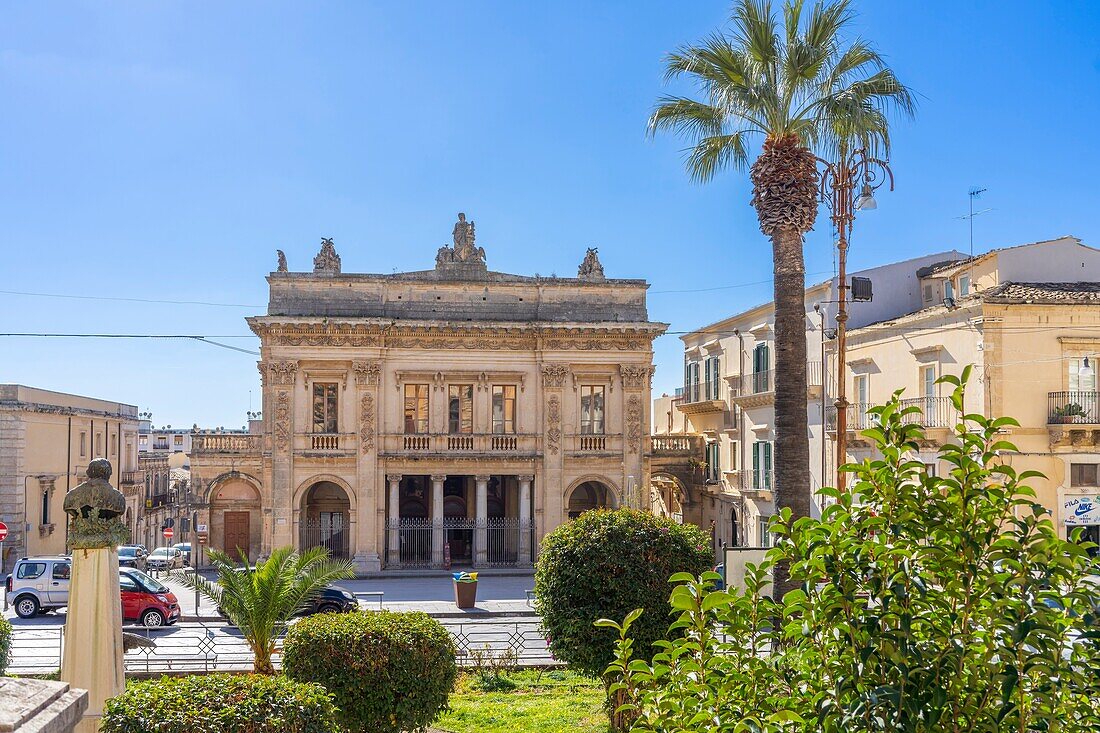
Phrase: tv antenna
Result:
[974,193]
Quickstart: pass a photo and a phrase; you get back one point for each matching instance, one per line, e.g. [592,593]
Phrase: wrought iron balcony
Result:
[858,417]
[1073,408]
[935,412]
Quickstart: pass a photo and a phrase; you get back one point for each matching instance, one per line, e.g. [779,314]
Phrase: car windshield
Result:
[161,552]
[147,582]
[127,552]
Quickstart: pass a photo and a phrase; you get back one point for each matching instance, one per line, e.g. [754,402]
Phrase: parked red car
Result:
[145,600]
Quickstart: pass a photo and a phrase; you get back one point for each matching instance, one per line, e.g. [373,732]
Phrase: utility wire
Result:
[128,300]
[200,339]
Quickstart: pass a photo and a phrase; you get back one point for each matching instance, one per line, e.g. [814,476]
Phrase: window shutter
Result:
[706,367]
[767,465]
[755,457]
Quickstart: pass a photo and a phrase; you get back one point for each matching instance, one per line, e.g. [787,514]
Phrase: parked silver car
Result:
[39,584]
[164,558]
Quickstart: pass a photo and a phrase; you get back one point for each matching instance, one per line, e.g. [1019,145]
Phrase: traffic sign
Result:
[168,533]
[3,531]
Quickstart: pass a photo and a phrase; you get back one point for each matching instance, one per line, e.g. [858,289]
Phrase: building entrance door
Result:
[237,535]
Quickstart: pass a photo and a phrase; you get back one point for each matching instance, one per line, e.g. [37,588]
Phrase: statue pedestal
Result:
[92,659]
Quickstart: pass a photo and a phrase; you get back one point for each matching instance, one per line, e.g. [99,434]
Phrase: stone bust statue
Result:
[94,508]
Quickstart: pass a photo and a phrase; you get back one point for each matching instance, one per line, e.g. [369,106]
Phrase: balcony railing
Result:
[490,443]
[596,443]
[1073,408]
[764,381]
[677,445]
[130,478]
[327,442]
[757,480]
[215,443]
[858,418]
[935,412]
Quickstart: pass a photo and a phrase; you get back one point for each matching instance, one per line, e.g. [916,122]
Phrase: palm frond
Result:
[686,117]
[715,153]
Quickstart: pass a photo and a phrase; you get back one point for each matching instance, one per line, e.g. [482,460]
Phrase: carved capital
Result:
[482,478]
[394,477]
[279,373]
[438,478]
[554,375]
[367,373]
[528,478]
[635,377]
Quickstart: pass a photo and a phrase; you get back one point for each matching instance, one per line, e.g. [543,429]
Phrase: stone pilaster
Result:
[280,378]
[555,376]
[367,542]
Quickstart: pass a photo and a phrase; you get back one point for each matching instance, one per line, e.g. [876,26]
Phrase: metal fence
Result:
[329,534]
[411,542]
[223,649]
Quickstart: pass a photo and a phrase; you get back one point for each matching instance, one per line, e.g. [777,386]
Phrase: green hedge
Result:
[604,565]
[387,671]
[221,703]
[5,644]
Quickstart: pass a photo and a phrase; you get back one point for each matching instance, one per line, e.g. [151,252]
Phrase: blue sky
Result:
[166,150]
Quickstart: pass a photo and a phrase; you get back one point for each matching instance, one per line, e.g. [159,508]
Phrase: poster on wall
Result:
[1081,510]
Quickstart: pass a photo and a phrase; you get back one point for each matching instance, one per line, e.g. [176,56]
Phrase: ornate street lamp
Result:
[838,187]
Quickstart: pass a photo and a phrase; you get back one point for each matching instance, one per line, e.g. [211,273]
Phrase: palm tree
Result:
[261,601]
[797,83]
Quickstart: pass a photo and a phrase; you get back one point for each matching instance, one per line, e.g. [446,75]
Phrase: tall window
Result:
[861,391]
[948,289]
[592,410]
[761,363]
[178,439]
[324,408]
[762,464]
[45,506]
[928,381]
[114,444]
[1077,383]
[504,408]
[711,366]
[416,408]
[765,535]
[460,408]
[83,445]
[99,445]
[964,285]
[691,381]
[714,465]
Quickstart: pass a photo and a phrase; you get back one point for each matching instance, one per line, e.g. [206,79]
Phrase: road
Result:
[503,623]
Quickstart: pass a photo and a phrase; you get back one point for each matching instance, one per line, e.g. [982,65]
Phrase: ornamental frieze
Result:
[366,422]
[481,344]
[278,373]
[282,421]
[553,417]
[633,423]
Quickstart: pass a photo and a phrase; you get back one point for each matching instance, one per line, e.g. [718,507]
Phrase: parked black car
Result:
[332,599]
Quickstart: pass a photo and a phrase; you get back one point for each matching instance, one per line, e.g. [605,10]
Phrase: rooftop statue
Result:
[591,269]
[327,260]
[94,508]
[282,261]
[464,249]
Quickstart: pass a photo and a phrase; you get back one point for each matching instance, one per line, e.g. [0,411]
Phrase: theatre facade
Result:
[447,417]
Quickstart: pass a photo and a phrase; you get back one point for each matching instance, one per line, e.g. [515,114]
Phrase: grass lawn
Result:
[557,702]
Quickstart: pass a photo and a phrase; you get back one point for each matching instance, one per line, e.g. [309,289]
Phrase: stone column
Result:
[481,535]
[394,541]
[368,492]
[437,519]
[279,378]
[525,519]
[551,488]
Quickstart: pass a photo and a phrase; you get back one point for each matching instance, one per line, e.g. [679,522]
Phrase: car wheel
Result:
[328,608]
[152,618]
[26,606]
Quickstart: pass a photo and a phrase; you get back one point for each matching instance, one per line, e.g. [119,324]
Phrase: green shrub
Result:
[221,703]
[603,565]
[387,671]
[930,603]
[5,644]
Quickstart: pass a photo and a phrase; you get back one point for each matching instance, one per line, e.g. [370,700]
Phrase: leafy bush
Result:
[5,644]
[604,564]
[931,603]
[388,671]
[221,703]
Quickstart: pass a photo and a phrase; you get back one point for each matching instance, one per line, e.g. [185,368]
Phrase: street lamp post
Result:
[838,187]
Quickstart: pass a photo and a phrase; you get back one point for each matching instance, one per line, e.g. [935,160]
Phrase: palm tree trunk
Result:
[792,429]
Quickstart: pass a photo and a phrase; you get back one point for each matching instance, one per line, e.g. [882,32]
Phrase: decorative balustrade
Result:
[325,442]
[459,443]
[131,478]
[592,442]
[223,443]
[1073,408]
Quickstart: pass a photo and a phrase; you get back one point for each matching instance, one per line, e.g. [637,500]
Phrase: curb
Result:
[474,614]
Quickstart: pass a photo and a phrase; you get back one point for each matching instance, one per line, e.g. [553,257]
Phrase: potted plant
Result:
[465,589]
[1067,413]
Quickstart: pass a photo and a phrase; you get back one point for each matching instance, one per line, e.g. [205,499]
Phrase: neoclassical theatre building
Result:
[452,415]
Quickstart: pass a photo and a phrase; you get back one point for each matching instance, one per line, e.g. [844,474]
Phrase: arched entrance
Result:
[235,526]
[590,495]
[325,520]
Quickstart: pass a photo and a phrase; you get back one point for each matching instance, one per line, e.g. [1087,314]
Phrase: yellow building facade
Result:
[47,440]
[452,415]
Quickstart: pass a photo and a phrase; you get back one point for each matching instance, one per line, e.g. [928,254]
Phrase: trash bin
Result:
[465,590]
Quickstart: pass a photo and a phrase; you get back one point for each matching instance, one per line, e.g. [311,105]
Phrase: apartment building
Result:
[47,440]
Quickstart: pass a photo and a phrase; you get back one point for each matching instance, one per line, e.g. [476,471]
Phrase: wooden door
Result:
[236,534]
